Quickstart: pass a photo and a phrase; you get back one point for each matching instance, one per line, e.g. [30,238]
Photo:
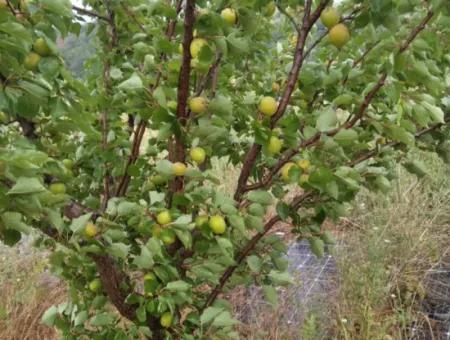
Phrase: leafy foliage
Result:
[117,143]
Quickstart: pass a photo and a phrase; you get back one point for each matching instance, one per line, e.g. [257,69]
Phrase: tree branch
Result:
[369,154]
[177,149]
[104,114]
[289,17]
[416,31]
[90,13]
[251,156]
[131,14]
[140,130]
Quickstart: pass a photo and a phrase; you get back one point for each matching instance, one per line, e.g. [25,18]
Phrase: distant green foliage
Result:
[77,49]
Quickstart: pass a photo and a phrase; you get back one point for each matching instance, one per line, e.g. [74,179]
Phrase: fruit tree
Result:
[308,100]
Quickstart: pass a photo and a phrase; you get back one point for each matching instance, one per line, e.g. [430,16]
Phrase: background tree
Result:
[327,100]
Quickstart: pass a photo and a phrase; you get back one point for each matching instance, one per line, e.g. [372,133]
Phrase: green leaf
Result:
[435,112]
[102,319]
[270,294]
[327,120]
[26,185]
[224,319]
[119,250]
[13,220]
[128,208]
[260,196]
[145,259]
[317,246]
[237,222]
[280,278]
[160,96]
[49,316]
[328,237]
[79,223]
[178,286]
[185,236]
[132,84]
[416,167]
[164,167]
[254,263]
[226,246]
[283,210]
[141,313]
[209,314]
[400,134]
[346,137]
[59,7]
[80,318]
[221,106]
[16,30]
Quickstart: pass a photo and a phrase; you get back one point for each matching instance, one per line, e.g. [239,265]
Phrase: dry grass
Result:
[25,294]
[390,245]
[387,245]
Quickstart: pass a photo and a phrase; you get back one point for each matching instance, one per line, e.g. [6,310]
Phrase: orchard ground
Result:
[378,293]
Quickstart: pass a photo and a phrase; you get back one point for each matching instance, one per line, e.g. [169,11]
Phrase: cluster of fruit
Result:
[338,33]
[40,49]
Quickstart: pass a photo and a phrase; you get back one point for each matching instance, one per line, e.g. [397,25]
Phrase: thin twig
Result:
[289,17]
[133,16]
[90,13]
[139,132]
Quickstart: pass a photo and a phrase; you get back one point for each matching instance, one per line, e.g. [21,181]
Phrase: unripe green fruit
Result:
[304,164]
[156,231]
[275,87]
[198,155]
[268,106]
[285,170]
[3,117]
[150,277]
[166,320]
[304,178]
[270,9]
[196,46]
[164,217]
[168,236]
[274,146]
[330,17]
[201,221]
[179,169]
[90,230]
[198,105]
[172,104]
[40,47]
[68,163]
[57,188]
[95,285]
[229,15]
[150,283]
[158,179]
[217,224]
[31,61]
[339,35]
